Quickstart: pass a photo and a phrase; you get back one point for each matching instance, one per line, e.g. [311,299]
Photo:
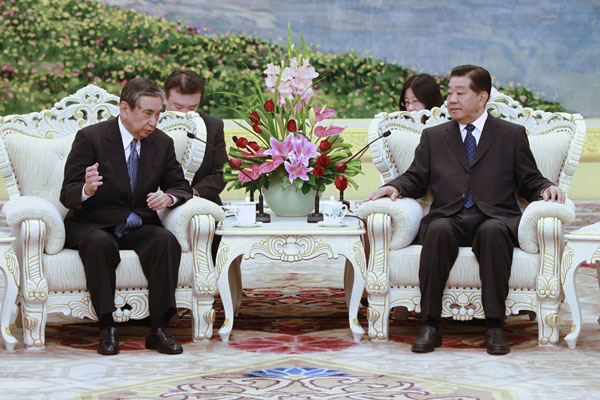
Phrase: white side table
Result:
[289,240]
[10,267]
[583,247]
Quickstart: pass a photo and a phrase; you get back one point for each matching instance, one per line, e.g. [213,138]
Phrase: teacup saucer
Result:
[237,224]
[328,224]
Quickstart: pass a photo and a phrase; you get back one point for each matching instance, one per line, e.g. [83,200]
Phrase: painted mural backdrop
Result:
[551,47]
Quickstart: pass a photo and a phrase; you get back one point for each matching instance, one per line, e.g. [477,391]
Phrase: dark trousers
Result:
[215,248]
[159,253]
[491,242]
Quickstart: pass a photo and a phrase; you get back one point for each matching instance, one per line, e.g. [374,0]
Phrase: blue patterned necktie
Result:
[470,145]
[133,162]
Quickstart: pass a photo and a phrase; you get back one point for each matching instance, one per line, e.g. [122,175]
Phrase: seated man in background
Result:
[184,91]
[111,188]
[474,164]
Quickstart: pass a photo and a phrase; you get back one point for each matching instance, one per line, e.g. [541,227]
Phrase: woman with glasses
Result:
[420,92]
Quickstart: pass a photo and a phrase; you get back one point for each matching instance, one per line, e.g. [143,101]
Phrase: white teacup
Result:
[245,213]
[333,211]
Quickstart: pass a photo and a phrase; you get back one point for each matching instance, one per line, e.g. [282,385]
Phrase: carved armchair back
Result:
[34,147]
[556,139]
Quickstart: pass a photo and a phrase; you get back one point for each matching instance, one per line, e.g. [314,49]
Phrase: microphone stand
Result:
[261,216]
[317,216]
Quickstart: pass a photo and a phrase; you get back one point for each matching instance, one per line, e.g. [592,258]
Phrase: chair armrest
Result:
[406,214]
[24,208]
[528,227]
[177,220]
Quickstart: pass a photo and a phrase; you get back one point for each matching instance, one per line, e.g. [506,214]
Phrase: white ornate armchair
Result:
[33,151]
[556,140]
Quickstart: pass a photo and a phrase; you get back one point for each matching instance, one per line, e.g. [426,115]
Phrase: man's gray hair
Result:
[137,87]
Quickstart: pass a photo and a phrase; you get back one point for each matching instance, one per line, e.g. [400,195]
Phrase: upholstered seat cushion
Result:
[404,269]
[64,271]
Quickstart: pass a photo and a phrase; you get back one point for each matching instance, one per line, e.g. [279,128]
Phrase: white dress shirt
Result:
[478,123]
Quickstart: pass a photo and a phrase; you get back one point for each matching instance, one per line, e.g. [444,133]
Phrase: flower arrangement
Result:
[291,141]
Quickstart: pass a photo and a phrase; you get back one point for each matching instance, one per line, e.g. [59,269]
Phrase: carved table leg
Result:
[572,298]
[10,268]
[356,272]
[235,284]
[224,261]
[575,254]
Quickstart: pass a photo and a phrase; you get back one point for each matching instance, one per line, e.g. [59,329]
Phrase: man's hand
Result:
[93,179]
[158,200]
[383,191]
[553,193]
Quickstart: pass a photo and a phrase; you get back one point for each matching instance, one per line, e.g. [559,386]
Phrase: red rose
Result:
[318,170]
[291,126]
[341,183]
[324,145]
[256,128]
[254,146]
[269,105]
[235,163]
[323,160]
[242,143]
[340,167]
[254,117]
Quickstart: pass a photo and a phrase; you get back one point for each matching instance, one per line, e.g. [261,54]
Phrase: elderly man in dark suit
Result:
[119,173]
[184,91]
[474,164]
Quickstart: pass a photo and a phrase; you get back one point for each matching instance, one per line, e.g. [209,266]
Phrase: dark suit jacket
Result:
[208,180]
[502,165]
[113,201]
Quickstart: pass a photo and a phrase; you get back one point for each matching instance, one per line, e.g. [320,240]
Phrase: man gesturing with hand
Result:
[119,173]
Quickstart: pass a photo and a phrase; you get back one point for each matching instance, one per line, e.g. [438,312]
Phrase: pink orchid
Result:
[296,168]
[272,72]
[304,149]
[331,130]
[280,150]
[285,91]
[323,113]
[306,71]
[307,95]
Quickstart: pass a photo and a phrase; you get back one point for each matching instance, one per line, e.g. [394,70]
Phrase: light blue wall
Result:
[551,47]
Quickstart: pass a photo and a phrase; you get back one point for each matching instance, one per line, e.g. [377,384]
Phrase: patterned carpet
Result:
[294,320]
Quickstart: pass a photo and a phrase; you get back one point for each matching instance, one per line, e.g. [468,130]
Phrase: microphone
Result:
[317,216]
[362,151]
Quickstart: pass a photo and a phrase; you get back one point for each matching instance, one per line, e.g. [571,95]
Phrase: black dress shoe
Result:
[496,342]
[109,341]
[163,342]
[428,338]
